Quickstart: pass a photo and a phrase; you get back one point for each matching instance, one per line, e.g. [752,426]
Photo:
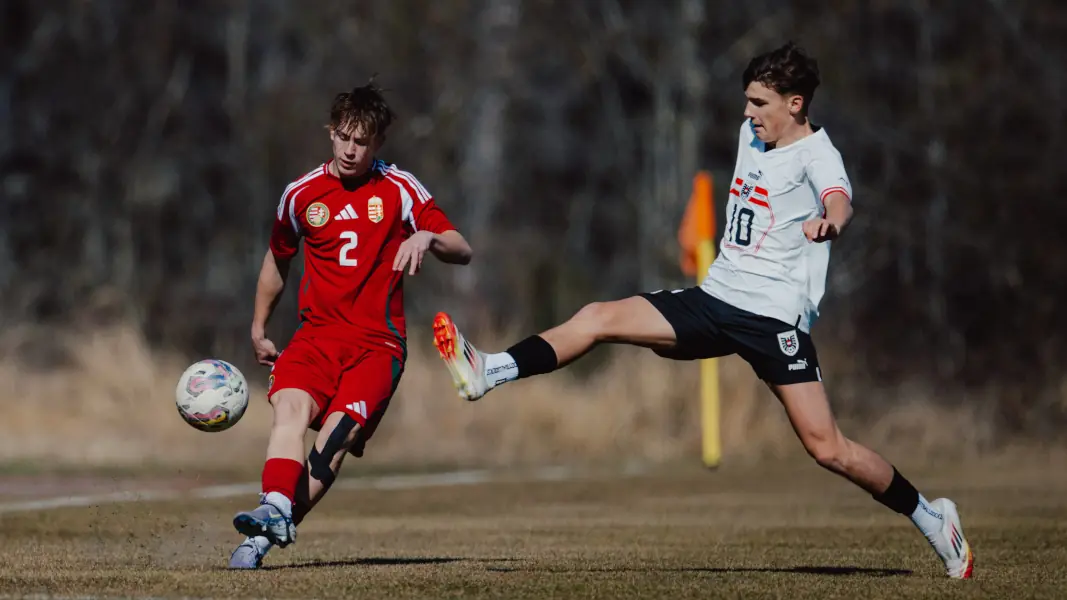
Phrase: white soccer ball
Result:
[212,395]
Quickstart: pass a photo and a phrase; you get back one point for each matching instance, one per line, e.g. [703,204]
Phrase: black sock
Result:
[901,496]
[533,356]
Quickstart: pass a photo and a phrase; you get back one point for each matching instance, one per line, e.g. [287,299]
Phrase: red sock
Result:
[281,475]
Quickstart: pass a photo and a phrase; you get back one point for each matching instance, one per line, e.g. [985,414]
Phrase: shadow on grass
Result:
[384,561]
[834,571]
[804,570]
[367,562]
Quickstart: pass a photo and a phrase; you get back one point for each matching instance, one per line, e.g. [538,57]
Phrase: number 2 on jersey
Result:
[353,240]
[739,230]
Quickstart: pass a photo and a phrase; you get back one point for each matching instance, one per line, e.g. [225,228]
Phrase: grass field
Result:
[672,532]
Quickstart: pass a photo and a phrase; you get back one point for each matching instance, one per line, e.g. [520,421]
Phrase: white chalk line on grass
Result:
[387,482]
[115,597]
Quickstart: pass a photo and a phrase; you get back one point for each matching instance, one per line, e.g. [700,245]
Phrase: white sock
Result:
[282,503]
[928,520]
[500,368]
[262,543]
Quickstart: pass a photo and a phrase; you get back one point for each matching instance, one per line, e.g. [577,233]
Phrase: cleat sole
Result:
[248,526]
[446,340]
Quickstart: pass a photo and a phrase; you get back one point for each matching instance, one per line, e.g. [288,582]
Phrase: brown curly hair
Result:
[364,106]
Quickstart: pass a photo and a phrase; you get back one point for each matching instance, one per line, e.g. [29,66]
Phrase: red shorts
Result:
[341,377]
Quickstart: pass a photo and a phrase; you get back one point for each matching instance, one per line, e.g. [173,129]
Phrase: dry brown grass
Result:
[114,407]
[780,531]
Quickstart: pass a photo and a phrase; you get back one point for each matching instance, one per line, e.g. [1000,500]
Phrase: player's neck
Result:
[349,181]
[792,135]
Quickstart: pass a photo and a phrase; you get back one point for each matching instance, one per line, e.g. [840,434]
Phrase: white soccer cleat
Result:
[247,556]
[949,543]
[463,360]
[269,521]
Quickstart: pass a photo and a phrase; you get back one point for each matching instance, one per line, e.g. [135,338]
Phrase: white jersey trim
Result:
[295,188]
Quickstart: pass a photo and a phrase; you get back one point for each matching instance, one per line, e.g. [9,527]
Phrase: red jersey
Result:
[351,236]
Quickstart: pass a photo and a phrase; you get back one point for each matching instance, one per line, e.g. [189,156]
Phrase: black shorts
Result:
[707,327]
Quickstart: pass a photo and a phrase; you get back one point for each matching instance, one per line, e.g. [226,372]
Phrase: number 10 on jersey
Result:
[739,229]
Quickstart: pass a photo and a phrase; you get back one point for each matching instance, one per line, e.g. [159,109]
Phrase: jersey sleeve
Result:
[285,233]
[420,211]
[827,175]
[430,217]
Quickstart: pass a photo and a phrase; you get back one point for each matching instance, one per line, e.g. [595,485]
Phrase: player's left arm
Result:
[837,213]
[434,234]
[828,179]
[451,247]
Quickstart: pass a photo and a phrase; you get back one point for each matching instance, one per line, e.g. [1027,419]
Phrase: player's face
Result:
[771,113]
[353,149]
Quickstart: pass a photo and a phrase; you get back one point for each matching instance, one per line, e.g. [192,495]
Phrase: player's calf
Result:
[809,412]
[293,409]
[339,432]
[838,454]
[273,518]
[281,510]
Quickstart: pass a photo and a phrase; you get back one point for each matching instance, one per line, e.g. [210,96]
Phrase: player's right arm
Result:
[269,288]
[284,241]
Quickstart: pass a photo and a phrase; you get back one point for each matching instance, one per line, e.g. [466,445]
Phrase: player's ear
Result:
[796,104]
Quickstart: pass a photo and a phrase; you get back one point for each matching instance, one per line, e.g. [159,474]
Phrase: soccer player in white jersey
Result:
[789,198]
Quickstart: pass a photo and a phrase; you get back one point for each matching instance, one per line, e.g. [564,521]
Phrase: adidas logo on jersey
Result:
[346,213]
[360,408]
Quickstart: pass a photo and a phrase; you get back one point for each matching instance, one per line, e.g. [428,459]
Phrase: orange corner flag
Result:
[698,223]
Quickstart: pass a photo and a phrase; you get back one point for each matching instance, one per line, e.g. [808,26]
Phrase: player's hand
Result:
[410,253]
[820,230]
[266,353]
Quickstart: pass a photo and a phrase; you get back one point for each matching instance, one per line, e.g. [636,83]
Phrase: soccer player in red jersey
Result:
[365,223]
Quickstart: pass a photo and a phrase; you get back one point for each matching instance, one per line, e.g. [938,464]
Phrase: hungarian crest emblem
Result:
[317,214]
[375,209]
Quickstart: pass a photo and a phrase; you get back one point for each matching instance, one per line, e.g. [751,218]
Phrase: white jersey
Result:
[765,264]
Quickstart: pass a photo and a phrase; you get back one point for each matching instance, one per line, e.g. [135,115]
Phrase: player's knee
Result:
[340,431]
[596,319]
[292,408]
[829,450]
[826,455]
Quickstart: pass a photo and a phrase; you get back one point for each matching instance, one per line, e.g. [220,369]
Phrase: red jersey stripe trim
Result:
[829,191]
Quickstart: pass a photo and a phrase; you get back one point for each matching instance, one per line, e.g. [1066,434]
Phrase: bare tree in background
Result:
[143,147]
[483,163]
